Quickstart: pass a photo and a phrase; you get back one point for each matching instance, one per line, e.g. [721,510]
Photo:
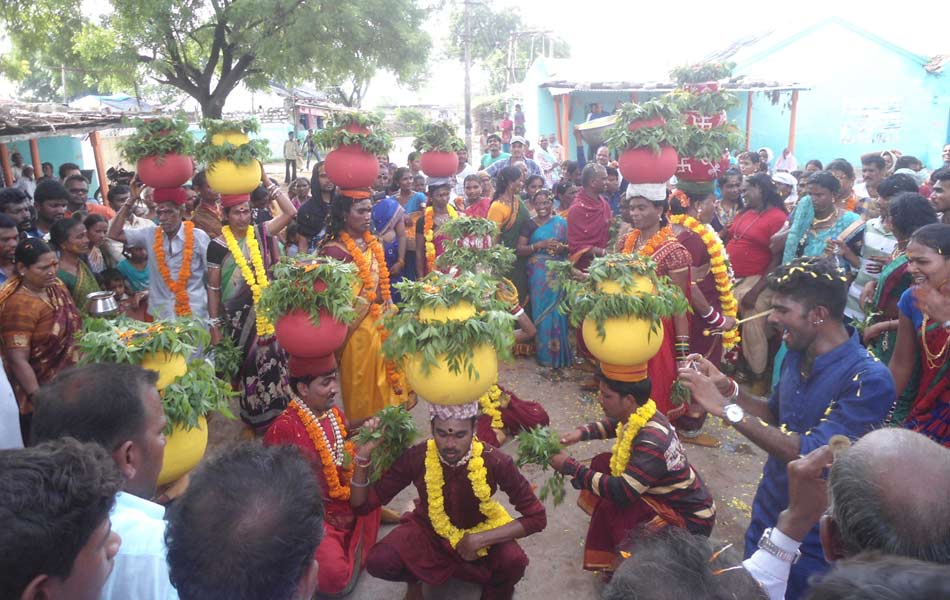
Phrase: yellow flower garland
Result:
[490,402]
[256,280]
[620,454]
[429,235]
[717,265]
[495,514]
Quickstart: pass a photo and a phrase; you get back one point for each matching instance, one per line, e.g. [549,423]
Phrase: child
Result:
[132,306]
[419,184]
[135,267]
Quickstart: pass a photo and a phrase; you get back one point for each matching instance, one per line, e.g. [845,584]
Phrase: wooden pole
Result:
[35,156]
[5,162]
[748,120]
[100,166]
[557,122]
[566,123]
[792,122]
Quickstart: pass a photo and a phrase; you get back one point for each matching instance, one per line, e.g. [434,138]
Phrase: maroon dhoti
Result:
[342,553]
[517,415]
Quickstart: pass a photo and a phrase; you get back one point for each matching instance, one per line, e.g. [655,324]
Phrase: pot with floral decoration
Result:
[310,301]
[705,154]
[439,144]
[472,249]
[189,387]
[646,135]
[356,139]
[450,333]
[161,149]
[232,157]
[621,301]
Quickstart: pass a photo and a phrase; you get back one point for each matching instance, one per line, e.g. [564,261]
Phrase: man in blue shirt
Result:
[829,385]
[517,156]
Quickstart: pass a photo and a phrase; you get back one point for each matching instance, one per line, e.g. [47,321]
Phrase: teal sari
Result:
[509,237]
[552,341]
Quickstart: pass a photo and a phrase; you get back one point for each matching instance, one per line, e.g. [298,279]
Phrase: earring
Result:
[818,322]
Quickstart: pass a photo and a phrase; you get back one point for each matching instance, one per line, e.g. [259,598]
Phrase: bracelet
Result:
[735,391]
[213,288]
[705,317]
[357,484]
[358,462]
[517,312]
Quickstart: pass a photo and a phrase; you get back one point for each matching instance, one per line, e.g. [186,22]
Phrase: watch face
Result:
[734,413]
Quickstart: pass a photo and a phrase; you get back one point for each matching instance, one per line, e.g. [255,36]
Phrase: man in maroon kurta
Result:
[413,551]
[588,219]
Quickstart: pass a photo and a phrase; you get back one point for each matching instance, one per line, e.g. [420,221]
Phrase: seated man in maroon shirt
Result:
[450,535]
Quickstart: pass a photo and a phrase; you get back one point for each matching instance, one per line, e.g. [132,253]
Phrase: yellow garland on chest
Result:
[717,266]
[256,280]
[428,227]
[495,514]
[620,454]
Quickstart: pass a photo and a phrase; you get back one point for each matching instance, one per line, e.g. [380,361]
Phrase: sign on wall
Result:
[869,121]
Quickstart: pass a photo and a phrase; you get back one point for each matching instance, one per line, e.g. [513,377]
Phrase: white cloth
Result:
[770,571]
[161,300]
[654,192]
[548,166]
[9,414]
[140,571]
[786,163]
[460,179]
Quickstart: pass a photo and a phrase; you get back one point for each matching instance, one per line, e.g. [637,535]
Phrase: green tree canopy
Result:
[205,48]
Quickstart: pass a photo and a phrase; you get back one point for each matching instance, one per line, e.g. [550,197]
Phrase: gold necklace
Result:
[824,220]
[933,359]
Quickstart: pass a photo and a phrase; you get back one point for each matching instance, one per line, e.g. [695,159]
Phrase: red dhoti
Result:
[342,553]
[517,415]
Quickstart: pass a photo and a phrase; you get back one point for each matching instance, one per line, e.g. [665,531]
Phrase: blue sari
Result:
[386,214]
[552,344]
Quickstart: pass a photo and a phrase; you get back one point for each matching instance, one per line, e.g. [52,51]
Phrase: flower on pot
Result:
[161,149]
[705,152]
[311,301]
[356,139]
[646,135]
[450,332]
[438,143]
[232,157]
[621,300]
[473,249]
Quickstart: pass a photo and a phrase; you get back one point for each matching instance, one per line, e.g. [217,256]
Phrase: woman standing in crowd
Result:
[312,214]
[412,203]
[474,204]
[389,222]
[68,237]
[924,341]
[233,284]
[564,193]
[99,257]
[818,222]
[510,214]
[730,204]
[543,239]
[38,324]
[761,217]
[532,184]
[906,213]
[299,191]
[430,242]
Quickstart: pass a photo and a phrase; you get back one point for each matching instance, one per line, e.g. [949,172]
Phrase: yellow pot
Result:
[641,285]
[457,312]
[226,177]
[169,367]
[233,137]
[441,386]
[628,340]
[183,451]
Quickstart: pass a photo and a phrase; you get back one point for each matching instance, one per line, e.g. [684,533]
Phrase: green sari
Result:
[81,284]
[509,237]
[893,281]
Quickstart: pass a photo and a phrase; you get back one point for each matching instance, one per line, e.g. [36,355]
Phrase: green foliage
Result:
[710,144]
[437,136]
[407,120]
[227,358]
[397,430]
[292,288]
[491,325]
[495,259]
[536,447]
[207,152]
[157,137]
[707,103]
[125,340]
[583,300]
[702,72]
[375,141]
[671,133]
[195,394]
[213,127]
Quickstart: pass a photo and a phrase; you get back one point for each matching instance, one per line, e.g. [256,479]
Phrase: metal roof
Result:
[24,121]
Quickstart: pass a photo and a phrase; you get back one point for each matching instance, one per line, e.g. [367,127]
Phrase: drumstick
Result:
[765,313]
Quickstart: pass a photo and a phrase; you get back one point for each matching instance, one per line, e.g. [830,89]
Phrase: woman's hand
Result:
[867,293]
[729,323]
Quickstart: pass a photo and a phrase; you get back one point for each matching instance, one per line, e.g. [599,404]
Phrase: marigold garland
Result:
[665,233]
[256,280]
[337,476]
[620,454]
[717,265]
[852,203]
[495,514]
[490,403]
[427,229]
[179,287]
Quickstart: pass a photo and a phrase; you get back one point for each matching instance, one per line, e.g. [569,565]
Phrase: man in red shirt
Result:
[506,127]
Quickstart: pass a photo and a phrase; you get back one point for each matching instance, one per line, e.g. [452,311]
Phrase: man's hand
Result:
[571,437]
[807,493]
[469,545]
[366,449]
[868,291]
[876,264]
[722,383]
[557,461]
[703,390]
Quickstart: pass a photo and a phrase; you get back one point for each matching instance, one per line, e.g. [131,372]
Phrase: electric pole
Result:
[468,81]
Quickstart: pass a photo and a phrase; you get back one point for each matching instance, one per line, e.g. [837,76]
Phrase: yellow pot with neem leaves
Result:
[627,340]
[183,451]
[441,386]
[460,311]
[227,177]
[168,365]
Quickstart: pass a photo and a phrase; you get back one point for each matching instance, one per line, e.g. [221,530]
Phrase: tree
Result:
[205,48]
[490,34]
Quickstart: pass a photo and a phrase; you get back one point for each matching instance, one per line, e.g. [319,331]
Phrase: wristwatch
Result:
[732,414]
[766,543]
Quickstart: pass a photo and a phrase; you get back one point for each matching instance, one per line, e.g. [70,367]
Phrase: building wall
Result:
[869,98]
[56,150]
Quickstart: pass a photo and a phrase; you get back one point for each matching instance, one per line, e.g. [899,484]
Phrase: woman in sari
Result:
[644,207]
[510,214]
[68,237]
[99,257]
[412,203]
[365,385]
[920,338]
[38,324]
[262,378]
[544,239]
[435,215]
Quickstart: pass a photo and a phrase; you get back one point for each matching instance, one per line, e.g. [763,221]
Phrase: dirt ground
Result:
[731,472]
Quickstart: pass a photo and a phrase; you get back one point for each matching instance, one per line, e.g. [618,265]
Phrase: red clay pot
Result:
[697,119]
[657,121]
[299,337]
[350,166]
[642,165]
[691,169]
[439,164]
[169,171]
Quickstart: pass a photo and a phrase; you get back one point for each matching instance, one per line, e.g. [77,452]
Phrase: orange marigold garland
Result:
[337,473]
[428,226]
[852,203]
[665,233]
[179,287]
[720,271]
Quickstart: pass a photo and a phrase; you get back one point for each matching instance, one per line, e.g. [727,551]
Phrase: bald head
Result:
[889,493]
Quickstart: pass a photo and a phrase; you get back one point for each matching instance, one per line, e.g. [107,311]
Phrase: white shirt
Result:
[9,414]
[460,179]
[771,571]
[141,571]
[161,300]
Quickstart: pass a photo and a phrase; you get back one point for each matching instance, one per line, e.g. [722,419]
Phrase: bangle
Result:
[357,484]
[213,288]
[735,391]
[711,310]
[359,462]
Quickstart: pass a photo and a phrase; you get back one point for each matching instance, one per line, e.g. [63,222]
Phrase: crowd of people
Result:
[841,308]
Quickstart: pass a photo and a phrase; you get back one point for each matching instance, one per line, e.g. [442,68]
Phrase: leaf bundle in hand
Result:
[397,429]
[537,446]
